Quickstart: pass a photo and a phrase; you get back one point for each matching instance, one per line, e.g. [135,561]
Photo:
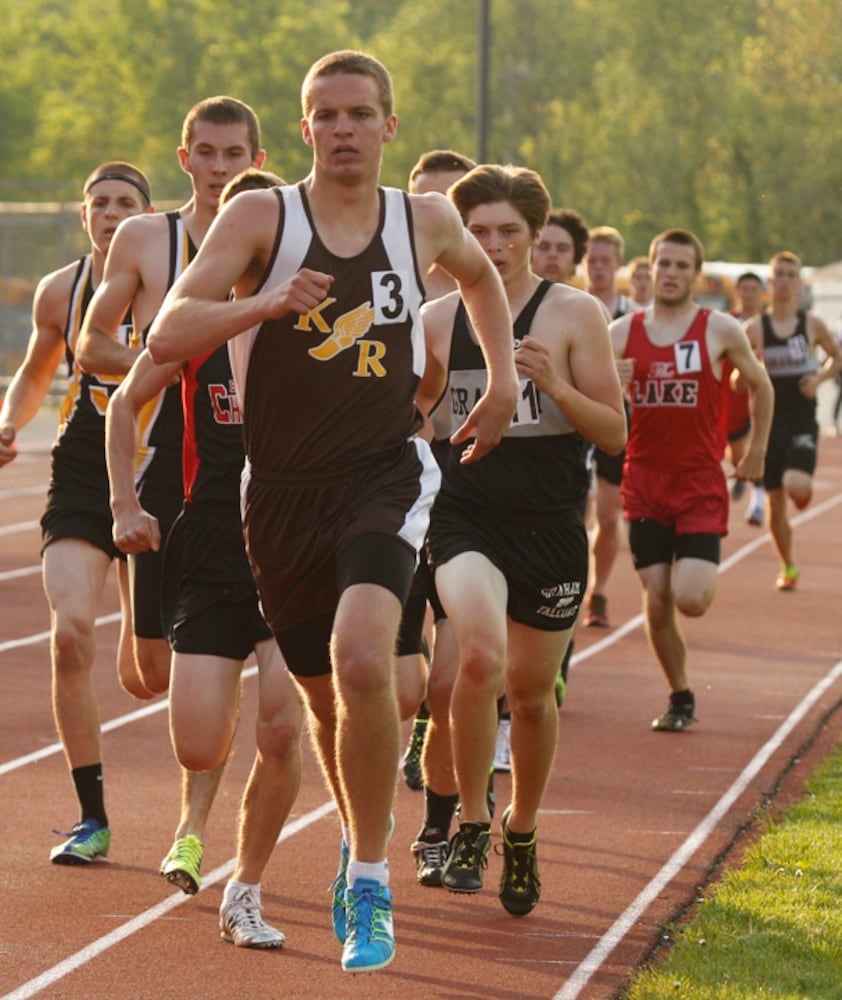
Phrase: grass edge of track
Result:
[768,923]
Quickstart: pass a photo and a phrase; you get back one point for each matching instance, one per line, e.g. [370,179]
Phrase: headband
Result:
[116,175]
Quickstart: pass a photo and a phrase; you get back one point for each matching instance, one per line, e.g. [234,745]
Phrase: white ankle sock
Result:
[377,870]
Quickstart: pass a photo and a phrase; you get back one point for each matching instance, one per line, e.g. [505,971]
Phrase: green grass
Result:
[772,928]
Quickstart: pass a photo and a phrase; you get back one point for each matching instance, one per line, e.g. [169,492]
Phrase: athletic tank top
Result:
[213,431]
[539,465]
[161,422]
[787,361]
[326,393]
[79,449]
[676,400]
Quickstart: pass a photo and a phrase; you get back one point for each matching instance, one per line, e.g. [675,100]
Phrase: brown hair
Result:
[250,179]
[684,238]
[491,183]
[440,161]
[353,62]
[222,111]
[570,220]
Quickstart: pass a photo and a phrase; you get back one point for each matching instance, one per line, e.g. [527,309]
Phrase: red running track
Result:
[633,824]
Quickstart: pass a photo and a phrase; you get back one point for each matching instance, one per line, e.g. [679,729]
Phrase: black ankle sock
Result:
[423,711]
[519,838]
[438,815]
[681,699]
[89,790]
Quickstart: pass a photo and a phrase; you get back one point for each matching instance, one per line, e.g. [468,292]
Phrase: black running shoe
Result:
[412,773]
[468,856]
[430,858]
[520,887]
[679,715]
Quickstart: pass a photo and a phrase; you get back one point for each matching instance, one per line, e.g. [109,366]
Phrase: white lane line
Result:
[607,943]
[23,491]
[142,920]
[123,720]
[594,960]
[15,529]
[36,637]
[16,574]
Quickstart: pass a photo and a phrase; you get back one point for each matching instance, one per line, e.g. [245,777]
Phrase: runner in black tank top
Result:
[365,484]
[76,527]
[789,338]
[506,540]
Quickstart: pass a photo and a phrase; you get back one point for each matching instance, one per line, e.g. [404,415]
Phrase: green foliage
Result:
[434,84]
[719,117]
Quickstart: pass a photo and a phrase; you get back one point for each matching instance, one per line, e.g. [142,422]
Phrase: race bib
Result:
[388,296]
[528,404]
[688,357]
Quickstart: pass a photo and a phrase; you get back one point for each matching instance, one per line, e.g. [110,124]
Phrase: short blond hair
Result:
[786,257]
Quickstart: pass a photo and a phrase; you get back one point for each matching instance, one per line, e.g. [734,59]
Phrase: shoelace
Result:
[189,852]
[77,829]
[364,914]
[521,863]
[246,911]
[434,855]
[468,853]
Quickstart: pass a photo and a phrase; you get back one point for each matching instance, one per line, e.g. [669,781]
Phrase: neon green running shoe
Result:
[181,866]
[87,841]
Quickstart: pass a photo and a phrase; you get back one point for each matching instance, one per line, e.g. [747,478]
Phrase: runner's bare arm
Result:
[98,349]
[134,529]
[197,315]
[32,380]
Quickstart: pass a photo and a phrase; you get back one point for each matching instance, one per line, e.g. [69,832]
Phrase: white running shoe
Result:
[241,923]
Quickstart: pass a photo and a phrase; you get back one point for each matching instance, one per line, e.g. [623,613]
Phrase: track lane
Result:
[622,802]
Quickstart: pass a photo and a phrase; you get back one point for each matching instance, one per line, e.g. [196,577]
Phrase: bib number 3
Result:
[388,296]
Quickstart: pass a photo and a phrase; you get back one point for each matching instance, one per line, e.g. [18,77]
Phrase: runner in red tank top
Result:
[749,289]
[674,493]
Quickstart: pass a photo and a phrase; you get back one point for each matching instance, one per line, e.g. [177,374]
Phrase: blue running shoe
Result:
[340,884]
[87,841]
[338,887]
[370,944]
